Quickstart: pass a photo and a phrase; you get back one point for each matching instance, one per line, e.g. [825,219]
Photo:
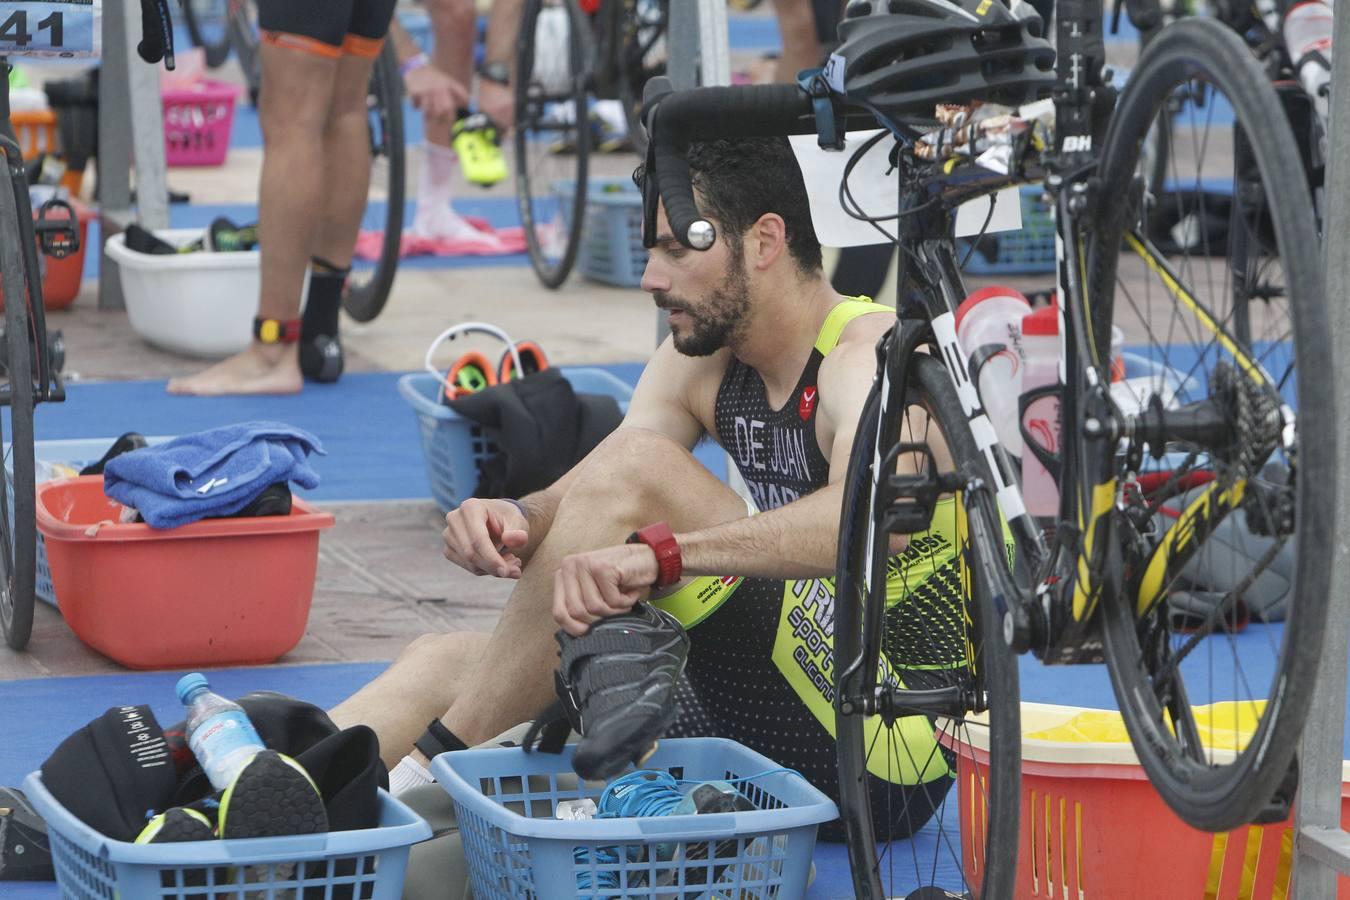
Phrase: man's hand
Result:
[498,101]
[591,586]
[435,93]
[481,534]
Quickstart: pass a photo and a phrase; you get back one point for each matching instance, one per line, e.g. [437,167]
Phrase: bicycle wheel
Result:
[552,134]
[245,41]
[18,525]
[911,634]
[642,56]
[208,26]
[367,288]
[1222,527]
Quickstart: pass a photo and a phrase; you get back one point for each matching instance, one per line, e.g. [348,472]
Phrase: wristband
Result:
[414,62]
[518,505]
[661,539]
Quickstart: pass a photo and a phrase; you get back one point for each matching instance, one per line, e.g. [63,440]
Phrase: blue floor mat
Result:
[376,455]
[68,703]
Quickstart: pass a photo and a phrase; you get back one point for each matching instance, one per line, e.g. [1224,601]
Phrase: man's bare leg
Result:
[416,688]
[801,47]
[298,90]
[346,155]
[635,477]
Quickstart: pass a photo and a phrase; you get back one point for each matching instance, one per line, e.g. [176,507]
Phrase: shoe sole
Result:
[271,797]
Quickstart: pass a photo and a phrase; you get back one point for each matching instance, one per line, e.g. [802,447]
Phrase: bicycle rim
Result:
[968,845]
[18,528]
[552,135]
[1223,539]
[368,287]
[207,23]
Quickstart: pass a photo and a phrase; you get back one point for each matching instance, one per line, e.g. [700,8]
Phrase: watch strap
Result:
[669,563]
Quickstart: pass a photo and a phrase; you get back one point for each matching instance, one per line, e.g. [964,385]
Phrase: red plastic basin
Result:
[214,593]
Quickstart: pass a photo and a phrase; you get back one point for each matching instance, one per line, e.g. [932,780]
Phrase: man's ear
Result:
[767,241]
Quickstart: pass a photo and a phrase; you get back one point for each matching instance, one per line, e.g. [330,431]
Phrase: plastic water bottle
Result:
[989,329]
[1308,37]
[218,731]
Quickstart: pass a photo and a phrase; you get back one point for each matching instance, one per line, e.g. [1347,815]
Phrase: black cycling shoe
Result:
[618,680]
[271,796]
[124,444]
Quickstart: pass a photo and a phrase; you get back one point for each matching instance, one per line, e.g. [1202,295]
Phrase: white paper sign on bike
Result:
[874,188]
[56,29]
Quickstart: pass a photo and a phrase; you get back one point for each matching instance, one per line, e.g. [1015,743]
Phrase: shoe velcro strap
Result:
[548,733]
[604,642]
[594,678]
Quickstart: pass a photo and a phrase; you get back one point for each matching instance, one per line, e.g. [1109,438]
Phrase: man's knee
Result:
[631,464]
[452,17]
[432,648]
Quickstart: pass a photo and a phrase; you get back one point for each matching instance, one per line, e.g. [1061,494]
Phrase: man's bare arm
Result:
[798,540]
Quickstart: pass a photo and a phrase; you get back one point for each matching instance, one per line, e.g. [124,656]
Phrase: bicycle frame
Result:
[48,385]
[1056,617]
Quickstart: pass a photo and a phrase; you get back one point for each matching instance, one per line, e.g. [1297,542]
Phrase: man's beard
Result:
[720,317]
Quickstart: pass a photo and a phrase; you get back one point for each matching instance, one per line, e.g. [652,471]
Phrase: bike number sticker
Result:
[64,29]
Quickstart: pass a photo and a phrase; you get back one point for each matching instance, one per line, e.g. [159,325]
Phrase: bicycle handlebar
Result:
[675,119]
[156,33]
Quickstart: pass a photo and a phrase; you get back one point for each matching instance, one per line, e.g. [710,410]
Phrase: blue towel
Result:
[210,473]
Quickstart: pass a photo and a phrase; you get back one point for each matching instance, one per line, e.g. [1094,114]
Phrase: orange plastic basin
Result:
[214,593]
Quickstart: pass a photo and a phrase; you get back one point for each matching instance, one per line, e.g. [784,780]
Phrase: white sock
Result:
[435,217]
[409,773]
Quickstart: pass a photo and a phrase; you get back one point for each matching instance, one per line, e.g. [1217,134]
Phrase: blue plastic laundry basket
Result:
[1028,251]
[367,864]
[611,241]
[454,447]
[505,802]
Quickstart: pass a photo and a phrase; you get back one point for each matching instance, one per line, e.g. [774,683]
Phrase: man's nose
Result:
[653,279]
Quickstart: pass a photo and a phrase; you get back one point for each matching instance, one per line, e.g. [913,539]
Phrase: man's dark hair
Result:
[737,181]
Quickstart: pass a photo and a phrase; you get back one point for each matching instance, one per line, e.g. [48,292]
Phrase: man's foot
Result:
[474,138]
[619,679]
[444,224]
[261,369]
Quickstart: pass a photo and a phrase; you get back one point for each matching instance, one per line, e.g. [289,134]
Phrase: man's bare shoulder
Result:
[858,340]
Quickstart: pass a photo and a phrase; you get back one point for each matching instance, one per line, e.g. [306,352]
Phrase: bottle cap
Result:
[984,293]
[189,684]
[1042,323]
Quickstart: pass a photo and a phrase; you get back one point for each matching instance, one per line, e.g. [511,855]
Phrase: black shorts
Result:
[327,27]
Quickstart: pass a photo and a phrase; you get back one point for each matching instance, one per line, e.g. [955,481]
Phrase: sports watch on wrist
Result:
[661,539]
[496,72]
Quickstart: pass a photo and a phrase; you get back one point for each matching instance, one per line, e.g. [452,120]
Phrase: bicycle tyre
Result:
[530,103]
[216,48]
[367,291]
[988,861]
[1208,793]
[18,505]
[245,41]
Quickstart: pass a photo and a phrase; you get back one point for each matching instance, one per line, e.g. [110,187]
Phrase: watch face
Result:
[498,72]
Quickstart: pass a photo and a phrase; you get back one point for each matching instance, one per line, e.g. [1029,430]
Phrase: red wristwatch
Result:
[662,541]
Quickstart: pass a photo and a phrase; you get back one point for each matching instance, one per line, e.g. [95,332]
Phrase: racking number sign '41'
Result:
[64,29]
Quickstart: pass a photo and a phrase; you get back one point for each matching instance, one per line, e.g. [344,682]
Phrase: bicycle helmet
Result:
[904,57]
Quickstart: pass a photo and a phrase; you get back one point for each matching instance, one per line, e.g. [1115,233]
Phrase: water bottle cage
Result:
[1051,461]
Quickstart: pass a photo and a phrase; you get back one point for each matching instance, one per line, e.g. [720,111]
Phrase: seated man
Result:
[766,359]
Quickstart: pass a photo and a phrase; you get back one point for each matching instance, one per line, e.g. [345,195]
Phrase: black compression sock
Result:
[320,349]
